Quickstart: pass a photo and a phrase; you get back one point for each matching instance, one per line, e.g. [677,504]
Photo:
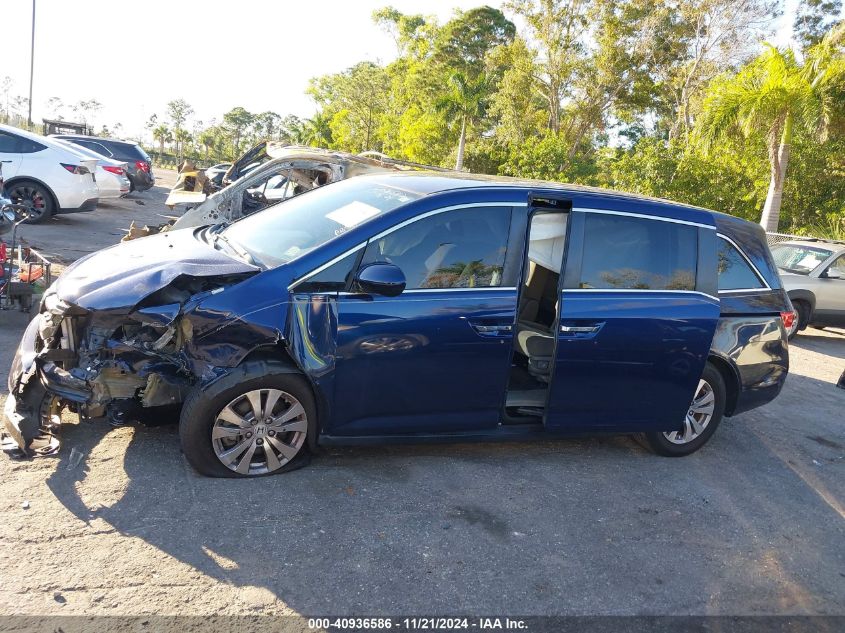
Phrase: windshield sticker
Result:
[353,214]
[810,260]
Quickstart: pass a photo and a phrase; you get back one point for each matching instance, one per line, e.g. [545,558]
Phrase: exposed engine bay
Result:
[99,358]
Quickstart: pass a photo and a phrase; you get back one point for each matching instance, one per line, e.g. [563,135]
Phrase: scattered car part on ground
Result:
[139,164]
[406,307]
[45,176]
[813,273]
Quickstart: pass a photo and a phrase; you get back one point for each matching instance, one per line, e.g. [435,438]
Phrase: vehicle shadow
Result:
[747,525]
[830,342]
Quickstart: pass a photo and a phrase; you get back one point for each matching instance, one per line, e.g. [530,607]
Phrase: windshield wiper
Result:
[238,250]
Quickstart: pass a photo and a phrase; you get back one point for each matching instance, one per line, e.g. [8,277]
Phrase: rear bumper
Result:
[142,180]
[89,205]
[755,349]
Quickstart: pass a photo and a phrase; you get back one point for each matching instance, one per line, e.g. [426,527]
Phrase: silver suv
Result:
[813,273]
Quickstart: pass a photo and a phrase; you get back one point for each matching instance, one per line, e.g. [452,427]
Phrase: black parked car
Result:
[140,169]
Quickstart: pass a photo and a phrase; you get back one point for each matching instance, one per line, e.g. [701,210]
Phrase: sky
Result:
[135,57]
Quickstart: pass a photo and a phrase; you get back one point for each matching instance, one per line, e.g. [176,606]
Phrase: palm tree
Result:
[207,139]
[317,131]
[181,137]
[162,135]
[466,102]
[773,95]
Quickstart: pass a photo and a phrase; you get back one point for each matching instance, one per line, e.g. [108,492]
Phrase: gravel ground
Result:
[119,524]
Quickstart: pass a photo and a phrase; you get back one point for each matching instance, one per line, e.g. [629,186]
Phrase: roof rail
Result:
[384,158]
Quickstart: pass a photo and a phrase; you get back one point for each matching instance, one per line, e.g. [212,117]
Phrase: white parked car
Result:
[111,174]
[45,176]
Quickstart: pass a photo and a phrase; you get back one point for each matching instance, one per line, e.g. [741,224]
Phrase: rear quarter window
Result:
[734,271]
[622,252]
[129,150]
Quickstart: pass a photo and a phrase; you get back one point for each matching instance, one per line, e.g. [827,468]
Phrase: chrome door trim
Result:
[469,205]
[644,216]
[641,291]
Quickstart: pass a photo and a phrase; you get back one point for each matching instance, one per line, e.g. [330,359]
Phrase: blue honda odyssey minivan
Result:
[414,307]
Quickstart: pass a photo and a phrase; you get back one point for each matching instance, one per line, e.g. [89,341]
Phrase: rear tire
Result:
[802,318]
[701,421]
[222,435]
[35,197]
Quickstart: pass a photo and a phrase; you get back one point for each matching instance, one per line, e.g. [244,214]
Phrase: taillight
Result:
[113,170]
[142,165]
[79,170]
[788,319]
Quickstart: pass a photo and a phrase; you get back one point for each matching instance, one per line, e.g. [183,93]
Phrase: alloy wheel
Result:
[698,416]
[259,432]
[31,198]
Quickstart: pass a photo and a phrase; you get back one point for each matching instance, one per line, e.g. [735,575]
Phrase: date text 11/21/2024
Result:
[418,623]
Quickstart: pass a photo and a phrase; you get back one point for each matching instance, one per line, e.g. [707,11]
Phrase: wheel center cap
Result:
[261,429]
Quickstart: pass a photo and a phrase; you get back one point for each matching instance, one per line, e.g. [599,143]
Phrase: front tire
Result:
[257,420]
[703,417]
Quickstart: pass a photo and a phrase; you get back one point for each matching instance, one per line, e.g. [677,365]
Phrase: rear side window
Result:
[127,150]
[638,254]
[734,271]
[100,149]
[464,248]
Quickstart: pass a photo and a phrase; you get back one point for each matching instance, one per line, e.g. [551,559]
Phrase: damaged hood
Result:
[123,275]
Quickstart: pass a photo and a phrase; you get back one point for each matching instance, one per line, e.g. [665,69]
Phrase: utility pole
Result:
[31,64]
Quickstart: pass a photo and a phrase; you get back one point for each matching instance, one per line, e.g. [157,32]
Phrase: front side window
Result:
[463,248]
[639,254]
[734,271]
[288,230]
[837,268]
[334,278]
[799,259]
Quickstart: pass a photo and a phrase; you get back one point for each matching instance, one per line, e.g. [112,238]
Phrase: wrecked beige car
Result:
[265,175]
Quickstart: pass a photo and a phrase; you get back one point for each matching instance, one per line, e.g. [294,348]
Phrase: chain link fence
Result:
[776,238]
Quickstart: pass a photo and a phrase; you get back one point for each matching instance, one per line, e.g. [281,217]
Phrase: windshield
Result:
[799,259]
[281,233]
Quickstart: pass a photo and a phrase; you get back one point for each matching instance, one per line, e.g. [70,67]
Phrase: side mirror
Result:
[380,278]
[830,274]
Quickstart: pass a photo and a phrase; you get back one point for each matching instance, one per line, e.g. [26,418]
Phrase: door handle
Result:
[580,329]
[493,330]
[580,332]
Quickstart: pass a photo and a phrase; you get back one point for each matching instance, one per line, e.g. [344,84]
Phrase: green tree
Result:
[772,96]
[163,135]
[178,112]
[464,42]
[465,102]
[237,120]
[354,100]
[317,131]
[814,18]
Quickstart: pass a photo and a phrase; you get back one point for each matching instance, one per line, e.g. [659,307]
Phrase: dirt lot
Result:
[119,524]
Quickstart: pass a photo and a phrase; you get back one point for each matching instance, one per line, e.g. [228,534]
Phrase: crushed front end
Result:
[104,363]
